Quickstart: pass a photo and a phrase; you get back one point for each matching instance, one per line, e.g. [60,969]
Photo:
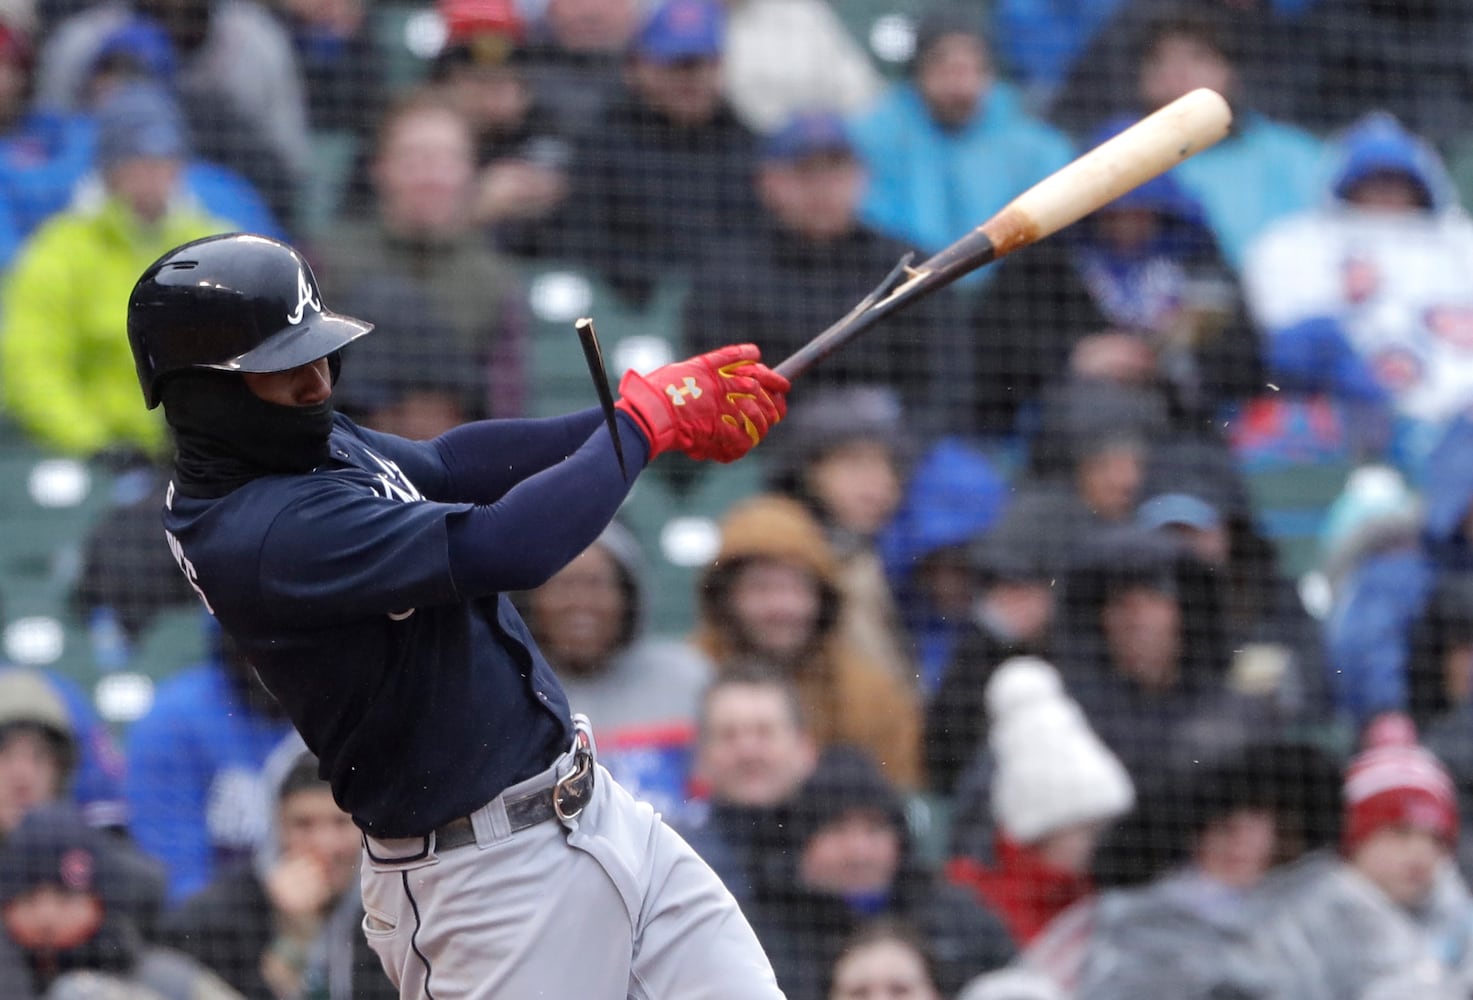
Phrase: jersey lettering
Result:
[177,550]
[393,484]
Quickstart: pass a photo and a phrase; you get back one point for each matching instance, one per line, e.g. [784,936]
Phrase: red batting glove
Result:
[713,406]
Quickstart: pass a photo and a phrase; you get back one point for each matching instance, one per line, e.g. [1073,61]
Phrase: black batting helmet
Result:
[235,303]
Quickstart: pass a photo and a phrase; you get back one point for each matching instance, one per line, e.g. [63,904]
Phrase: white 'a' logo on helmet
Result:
[305,298]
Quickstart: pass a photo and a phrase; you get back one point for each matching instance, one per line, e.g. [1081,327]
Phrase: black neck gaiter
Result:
[225,435]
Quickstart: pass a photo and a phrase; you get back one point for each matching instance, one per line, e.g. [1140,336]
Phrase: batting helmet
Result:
[235,303]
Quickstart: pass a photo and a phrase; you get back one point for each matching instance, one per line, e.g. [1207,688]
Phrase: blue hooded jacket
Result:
[955,493]
[1368,630]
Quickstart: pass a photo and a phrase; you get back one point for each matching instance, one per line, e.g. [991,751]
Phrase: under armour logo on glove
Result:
[677,394]
[713,406]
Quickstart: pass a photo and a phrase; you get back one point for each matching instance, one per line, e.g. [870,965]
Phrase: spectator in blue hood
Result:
[1139,294]
[1367,298]
[1376,606]
[951,145]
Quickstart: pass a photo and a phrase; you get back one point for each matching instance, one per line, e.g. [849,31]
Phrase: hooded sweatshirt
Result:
[846,698]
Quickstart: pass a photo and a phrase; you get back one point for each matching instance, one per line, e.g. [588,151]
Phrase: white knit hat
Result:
[1051,770]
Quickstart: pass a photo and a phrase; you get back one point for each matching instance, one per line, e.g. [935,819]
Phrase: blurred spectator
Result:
[642,692]
[1258,35]
[813,259]
[48,156]
[38,748]
[786,57]
[951,146]
[575,56]
[194,768]
[1367,298]
[1017,569]
[1265,169]
[1143,647]
[1390,917]
[1138,293]
[953,494]
[53,747]
[844,454]
[1360,63]
[522,148]
[1093,440]
[1195,495]
[886,960]
[1204,850]
[753,753]
[846,858]
[418,381]
[772,595]
[420,229]
[1392,567]
[234,61]
[1055,788]
[287,923]
[342,67]
[1038,43]
[64,363]
[669,166]
[67,926]
[39,153]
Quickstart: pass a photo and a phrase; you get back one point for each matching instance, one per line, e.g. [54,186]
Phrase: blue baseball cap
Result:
[808,134]
[1178,509]
[682,29]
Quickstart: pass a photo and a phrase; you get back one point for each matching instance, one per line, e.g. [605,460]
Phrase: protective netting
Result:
[1107,617]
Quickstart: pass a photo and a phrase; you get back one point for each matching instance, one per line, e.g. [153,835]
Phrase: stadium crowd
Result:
[1019,670]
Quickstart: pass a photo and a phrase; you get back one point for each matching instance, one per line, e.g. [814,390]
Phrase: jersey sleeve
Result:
[343,552]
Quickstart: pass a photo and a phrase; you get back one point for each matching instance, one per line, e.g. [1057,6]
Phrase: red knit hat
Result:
[466,20]
[1395,781]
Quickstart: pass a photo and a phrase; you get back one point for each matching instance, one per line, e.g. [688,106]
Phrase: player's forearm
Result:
[542,523]
[485,459]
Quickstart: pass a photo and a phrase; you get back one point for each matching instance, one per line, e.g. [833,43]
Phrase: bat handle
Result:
[830,340]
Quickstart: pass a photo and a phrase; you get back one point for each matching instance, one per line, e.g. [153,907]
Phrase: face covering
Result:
[225,435]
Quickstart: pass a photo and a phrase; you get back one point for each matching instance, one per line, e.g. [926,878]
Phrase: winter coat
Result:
[1154,733]
[1359,302]
[650,194]
[806,286]
[1379,601]
[472,290]
[930,185]
[1020,887]
[1182,937]
[733,840]
[1332,935]
[65,365]
[194,776]
[845,698]
[954,494]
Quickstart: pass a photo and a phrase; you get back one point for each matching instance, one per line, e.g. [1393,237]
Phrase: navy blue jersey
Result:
[368,595]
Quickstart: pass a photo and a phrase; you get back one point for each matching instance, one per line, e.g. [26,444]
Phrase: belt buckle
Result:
[585,752]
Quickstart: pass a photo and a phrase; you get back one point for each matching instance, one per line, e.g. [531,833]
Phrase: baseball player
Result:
[364,576]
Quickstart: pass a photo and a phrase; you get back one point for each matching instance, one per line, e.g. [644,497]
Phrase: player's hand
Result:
[714,406]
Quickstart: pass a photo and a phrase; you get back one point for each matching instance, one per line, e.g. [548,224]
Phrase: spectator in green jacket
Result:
[65,367]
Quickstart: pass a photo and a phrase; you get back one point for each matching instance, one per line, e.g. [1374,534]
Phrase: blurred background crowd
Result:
[1100,628]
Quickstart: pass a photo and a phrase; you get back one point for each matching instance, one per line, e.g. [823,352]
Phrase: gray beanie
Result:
[140,120]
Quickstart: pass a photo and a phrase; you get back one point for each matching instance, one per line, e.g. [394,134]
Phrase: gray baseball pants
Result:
[609,904]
